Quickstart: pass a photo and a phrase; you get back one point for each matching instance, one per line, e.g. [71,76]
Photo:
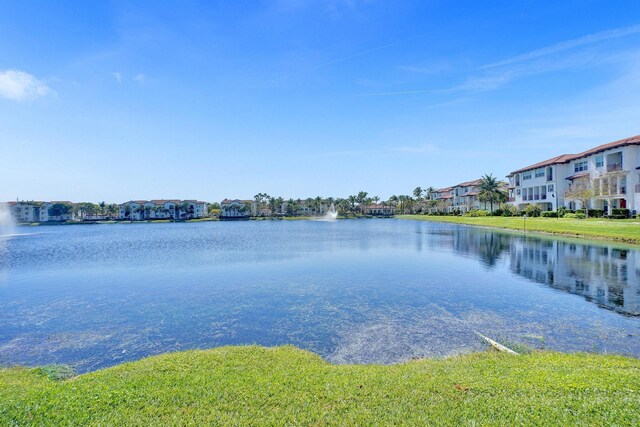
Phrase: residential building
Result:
[141,210]
[379,210]
[236,209]
[462,198]
[25,211]
[56,211]
[611,171]
[441,200]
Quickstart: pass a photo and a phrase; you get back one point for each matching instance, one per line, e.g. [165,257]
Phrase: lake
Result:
[353,291]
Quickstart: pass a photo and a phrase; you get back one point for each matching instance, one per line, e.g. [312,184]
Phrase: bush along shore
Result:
[288,386]
[594,228]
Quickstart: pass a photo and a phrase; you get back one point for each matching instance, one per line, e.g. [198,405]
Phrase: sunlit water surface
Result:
[356,291]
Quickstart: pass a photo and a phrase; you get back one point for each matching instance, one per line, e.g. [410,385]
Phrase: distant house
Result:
[25,211]
[191,209]
[379,210]
[166,209]
[462,197]
[142,210]
[441,200]
[56,211]
[236,209]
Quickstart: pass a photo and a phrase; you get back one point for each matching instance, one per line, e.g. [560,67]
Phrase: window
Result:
[599,161]
[518,191]
[526,175]
[550,187]
[539,173]
[581,166]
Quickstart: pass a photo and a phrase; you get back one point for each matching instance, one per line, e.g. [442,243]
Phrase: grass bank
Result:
[596,228]
[288,386]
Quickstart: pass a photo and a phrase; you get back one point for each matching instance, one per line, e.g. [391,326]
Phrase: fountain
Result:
[330,215]
[7,222]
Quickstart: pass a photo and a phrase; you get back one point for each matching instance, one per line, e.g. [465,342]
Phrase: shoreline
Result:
[535,226]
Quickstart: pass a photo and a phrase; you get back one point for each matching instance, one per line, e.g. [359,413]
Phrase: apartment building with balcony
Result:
[463,197]
[141,210]
[611,171]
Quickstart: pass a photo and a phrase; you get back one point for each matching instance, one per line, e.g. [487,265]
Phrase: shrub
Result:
[579,215]
[620,212]
[561,211]
[549,214]
[510,211]
[497,212]
[596,213]
[476,213]
[569,215]
[533,210]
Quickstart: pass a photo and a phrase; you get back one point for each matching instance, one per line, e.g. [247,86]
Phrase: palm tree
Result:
[362,200]
[352,202]
[490,190]
[417,192]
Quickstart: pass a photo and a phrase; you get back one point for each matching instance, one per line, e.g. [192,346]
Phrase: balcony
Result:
[614,167]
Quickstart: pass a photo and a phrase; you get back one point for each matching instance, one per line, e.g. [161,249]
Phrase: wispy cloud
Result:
[20,86]
[140,78]
[117,76]
[436,67]
[567,45]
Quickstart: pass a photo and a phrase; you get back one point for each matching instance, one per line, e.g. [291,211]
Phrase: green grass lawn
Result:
[288,386]
[620,230]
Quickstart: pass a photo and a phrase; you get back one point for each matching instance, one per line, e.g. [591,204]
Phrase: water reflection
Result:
[603,273]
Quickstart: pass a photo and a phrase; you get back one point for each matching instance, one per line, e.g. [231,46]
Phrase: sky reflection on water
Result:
[358,291]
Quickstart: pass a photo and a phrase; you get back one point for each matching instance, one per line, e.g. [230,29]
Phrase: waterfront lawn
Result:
[288,386]
[612,229]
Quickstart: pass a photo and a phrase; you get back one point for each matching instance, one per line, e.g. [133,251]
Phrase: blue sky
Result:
[116,101]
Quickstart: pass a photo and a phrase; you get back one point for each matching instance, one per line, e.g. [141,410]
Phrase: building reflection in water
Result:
[605,274]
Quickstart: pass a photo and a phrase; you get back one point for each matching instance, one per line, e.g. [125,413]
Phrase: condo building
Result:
[611,173]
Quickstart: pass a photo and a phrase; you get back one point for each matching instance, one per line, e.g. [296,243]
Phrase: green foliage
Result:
[579,215]
[510,211]
[549,214]
[561,211]
[620,212]
[595,213]
[476,213]
[288,386]
[57,372]
[533,210]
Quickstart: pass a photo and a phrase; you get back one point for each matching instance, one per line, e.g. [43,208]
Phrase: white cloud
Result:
[19,86]
[140,78]
[117,76]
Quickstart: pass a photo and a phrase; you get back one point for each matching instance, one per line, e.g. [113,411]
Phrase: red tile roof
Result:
[469,183]
[565,158]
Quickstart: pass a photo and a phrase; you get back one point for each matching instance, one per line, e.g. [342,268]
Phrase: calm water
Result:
[356,291]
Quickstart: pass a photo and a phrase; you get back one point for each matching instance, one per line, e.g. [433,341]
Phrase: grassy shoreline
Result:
[627,231]
[288,386]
